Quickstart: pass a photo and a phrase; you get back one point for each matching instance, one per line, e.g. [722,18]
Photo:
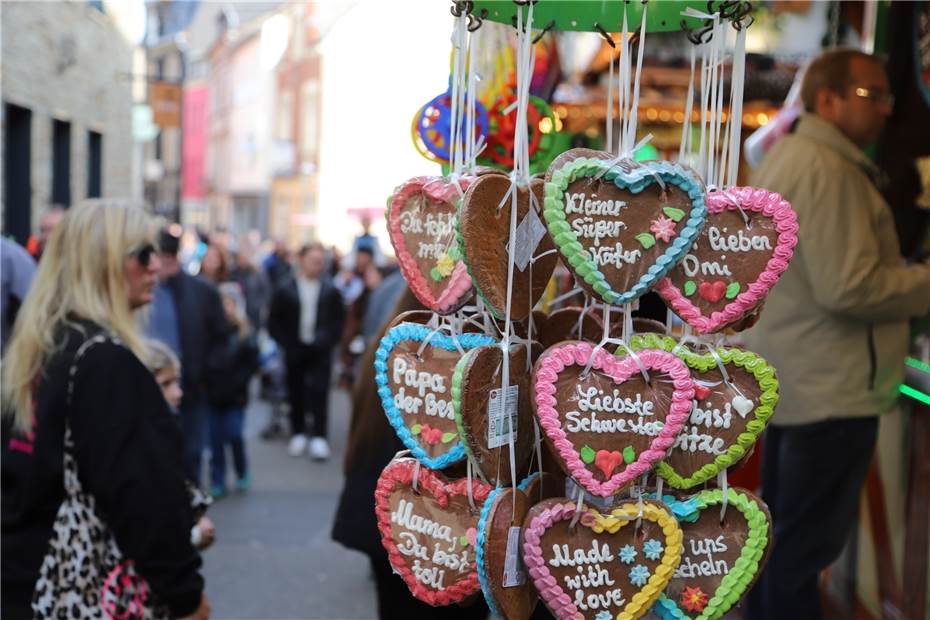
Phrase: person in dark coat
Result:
[371,446]
[306,319]
[188,316]
[228,393]
[87,438]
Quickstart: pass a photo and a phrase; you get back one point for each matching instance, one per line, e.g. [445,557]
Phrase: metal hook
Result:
[475,21]
[606,35]
[460,6]
[697,35]
[548,27]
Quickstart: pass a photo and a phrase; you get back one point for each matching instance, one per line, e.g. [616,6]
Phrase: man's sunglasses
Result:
[144,254]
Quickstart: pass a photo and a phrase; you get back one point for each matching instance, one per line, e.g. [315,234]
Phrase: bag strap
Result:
[72,483]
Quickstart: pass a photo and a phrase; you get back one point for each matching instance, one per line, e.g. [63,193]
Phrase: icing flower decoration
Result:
[693,599]
[663,228]
[445,265]
[652,549]
[639,575]
[603,615]
[627,554]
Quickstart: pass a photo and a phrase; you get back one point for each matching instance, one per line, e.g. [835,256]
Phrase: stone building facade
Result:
[67,109]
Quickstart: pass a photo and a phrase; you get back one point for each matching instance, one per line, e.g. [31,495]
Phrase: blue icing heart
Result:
[419,333]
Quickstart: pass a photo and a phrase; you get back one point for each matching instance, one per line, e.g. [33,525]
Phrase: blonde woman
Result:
[96,517]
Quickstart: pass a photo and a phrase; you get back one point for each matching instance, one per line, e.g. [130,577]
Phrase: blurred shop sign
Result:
[143,126]
[165,99]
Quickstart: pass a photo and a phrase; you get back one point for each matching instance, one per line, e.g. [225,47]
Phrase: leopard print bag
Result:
[84,576]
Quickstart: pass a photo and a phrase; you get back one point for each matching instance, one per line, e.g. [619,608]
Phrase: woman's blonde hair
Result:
[81,276]
[159,357]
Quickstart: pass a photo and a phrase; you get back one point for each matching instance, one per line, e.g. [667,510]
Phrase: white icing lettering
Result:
[700,562]
[614,256]
[405,518]
[426,385]
[563,556]
[736,243]
[592,399]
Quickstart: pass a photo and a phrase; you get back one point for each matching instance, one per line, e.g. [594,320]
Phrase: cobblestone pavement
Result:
[274,558]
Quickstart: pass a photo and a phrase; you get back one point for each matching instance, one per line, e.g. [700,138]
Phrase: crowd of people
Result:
[130,351]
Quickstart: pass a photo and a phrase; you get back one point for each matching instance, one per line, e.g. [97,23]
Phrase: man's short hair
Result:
[830,70]
[168,241]
[313,245]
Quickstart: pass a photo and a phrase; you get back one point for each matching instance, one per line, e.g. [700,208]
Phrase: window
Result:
[61,163]
[94,164]
[17,185]
[309,129]
[284,128]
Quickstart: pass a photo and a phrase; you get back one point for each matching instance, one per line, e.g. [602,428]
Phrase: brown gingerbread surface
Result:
[721,412]
[428,227]
[726,258]
[485,231]
[515,602]
[603,416]
[607,220]
[422,388]
[483,373]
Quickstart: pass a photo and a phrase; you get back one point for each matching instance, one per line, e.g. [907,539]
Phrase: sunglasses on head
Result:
[144,254]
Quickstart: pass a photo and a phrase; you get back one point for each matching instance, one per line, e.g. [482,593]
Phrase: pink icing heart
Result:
[733,244]
[428,224]
[559,357]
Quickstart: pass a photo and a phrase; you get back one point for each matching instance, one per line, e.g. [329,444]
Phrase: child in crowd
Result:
[228,392]
[166,368]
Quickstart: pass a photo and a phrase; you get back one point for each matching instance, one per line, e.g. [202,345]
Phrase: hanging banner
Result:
[165,99]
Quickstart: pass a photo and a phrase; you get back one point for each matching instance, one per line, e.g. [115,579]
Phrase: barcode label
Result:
[502,419]
[514,573]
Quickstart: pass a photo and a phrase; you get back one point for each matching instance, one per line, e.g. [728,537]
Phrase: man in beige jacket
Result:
[835,327]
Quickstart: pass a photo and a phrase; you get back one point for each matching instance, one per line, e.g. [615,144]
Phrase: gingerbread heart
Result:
[721,559]
[620,228]
[415,387]
[485,222]
[429,528]
[507,592]
[476,389]
[611,408]
[542,485]
[727,415]
[422,217]
[745,246]
[564,323]
[612,565]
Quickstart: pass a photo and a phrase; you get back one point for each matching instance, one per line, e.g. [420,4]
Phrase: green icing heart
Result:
[629,455]
[690,288]
[758,418]
[750,562]
[646,240]
[732,290]
[587,455]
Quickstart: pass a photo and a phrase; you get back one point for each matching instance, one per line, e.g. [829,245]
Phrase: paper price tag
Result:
[514,571]
[528,235]
[502,419]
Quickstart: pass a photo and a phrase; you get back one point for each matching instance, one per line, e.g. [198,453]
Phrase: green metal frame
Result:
[582,15]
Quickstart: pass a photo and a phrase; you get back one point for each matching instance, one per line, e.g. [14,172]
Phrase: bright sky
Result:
[382,62]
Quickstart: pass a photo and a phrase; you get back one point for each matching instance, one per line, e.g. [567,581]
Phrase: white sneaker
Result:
[319,449]
[298,445]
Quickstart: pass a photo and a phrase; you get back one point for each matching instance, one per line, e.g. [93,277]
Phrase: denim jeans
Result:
[226,429]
